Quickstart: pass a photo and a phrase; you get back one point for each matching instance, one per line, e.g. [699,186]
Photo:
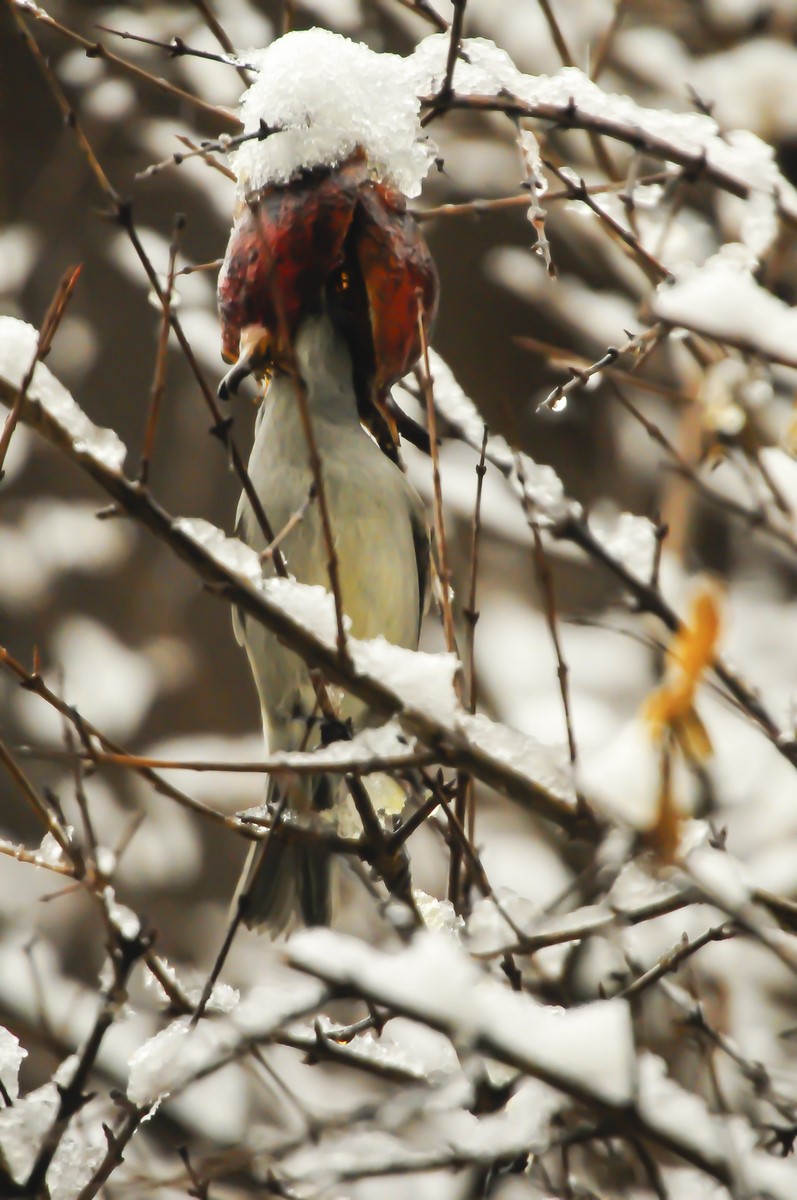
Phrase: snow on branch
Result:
[722,300]
[486,78]
[418,688]
[18,346]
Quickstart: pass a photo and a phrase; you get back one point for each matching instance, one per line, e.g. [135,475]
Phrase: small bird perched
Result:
[300,295]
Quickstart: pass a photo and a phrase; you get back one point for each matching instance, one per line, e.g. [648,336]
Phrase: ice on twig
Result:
[79,1152]
[548,766]
[325,96]
[721,299]
[180,1054]
[223,998]
[22,1127]
[538,186]
[232,553]
[422,683]
[435,981]
[628,538]
[121,917]
[486,70]
[541,485]
[438,915]
[18,342]
[11,1056]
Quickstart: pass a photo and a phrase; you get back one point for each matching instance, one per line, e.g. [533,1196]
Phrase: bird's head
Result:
[331,240]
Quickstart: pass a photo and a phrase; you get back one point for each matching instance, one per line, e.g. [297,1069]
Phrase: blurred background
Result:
[124,631]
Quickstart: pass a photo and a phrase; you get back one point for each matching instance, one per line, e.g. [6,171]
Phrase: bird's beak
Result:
[336,240]
[253,356]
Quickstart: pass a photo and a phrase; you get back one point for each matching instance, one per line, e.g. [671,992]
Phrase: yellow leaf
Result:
[691,652]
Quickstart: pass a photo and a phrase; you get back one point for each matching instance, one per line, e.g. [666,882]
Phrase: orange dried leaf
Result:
[691,652]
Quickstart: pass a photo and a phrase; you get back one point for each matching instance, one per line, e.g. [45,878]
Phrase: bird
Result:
[321,288]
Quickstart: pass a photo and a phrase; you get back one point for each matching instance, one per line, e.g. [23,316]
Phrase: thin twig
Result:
[607,38]
[654,270]
[637,345]
[235,922]
[98,50]
[41,809]
[123,213]
[316,467]
[161,355]
[602,156]
[454,49]
[672,960]
[480,206]
[545,582]
[221,36]
[222,145]
[575,364]
[568,115]
[52,319]
[424,9]
[440,529]
[758,519]
[221,169]
[33,682]
[471,616]
[294,519]
[282,763]
[176,48]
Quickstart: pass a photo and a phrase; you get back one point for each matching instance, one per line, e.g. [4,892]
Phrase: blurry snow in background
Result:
[126,635]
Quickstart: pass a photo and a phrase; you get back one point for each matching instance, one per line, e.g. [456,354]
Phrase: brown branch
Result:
[758,519]
[52,319]
[424,9]
[479,206]
[159,381]
[33,682]
[222,145]
[576,364]
[568,115]
[176,48]
[654,270]
[97,50]
[602,156]
[43,811]
[471,616]
[450,745]
[214,165]
[123,213]
[546,586]
[440,529]
[316,467]
[637,345]
[673,959]
[607,38]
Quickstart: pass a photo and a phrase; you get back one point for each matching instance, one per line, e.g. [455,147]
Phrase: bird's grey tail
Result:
[286,882]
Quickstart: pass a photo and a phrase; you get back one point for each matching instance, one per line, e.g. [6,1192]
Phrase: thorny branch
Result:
[568,115]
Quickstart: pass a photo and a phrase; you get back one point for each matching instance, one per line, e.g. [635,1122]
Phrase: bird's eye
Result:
[342,282]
